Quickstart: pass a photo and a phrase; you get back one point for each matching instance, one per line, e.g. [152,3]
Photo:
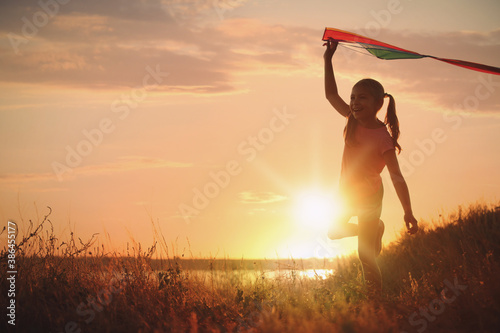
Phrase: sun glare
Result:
[316,209]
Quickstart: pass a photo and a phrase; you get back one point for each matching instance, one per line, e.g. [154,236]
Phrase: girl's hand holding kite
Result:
[331,47]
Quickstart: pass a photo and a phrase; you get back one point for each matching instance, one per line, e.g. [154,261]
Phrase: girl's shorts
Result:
[368,208]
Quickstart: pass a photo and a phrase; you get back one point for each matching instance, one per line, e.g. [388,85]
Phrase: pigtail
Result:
[391,120]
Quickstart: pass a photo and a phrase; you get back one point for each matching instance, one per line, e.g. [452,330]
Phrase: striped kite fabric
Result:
[386,51]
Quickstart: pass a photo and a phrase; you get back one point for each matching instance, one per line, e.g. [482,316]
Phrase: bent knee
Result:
[334,234]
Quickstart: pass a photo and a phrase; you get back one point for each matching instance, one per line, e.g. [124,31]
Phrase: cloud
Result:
[123,164]
[193,13]
[206,50]
[151,10]
[104,45]
[130,163]
[249,197]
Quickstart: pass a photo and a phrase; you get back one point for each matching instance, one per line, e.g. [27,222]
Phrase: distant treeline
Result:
[244,264]
[204,264]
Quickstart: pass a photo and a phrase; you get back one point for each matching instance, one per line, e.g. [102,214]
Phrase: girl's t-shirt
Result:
[363,162]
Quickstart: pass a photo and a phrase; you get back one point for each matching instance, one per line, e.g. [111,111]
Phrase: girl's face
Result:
[364,106]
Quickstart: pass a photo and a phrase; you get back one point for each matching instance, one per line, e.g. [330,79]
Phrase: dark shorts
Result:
[367,208]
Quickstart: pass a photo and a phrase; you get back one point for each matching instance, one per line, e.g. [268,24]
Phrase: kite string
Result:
[354,47]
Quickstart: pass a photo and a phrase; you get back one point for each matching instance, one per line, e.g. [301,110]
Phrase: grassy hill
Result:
[444,279]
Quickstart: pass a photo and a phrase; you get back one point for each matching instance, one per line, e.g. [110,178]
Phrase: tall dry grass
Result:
[73,286]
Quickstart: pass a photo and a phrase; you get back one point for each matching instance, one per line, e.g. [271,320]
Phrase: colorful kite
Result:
[388,52]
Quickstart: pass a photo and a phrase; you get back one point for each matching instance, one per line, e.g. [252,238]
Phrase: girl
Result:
[370,144]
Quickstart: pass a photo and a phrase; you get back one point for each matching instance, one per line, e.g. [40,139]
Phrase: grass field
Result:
[444,279]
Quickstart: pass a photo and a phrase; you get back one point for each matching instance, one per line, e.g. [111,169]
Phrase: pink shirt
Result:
[363,163]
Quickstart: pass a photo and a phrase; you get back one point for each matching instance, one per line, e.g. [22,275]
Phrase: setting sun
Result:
[316,209]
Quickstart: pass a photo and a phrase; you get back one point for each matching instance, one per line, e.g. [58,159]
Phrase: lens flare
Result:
[316,209]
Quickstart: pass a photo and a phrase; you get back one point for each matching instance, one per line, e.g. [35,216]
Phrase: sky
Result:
[202,124]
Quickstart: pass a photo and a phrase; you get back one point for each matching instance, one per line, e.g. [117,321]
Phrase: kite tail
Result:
[470,65]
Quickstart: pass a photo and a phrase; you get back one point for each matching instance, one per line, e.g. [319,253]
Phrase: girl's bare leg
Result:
[367,247]
[380,234]
[343,229]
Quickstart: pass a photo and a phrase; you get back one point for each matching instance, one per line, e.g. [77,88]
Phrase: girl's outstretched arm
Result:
[401,189]
[331,92]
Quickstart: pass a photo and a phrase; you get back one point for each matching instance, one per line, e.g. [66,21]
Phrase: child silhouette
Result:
[370,145]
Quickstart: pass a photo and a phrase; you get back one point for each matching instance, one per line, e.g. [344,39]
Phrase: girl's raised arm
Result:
[331,92]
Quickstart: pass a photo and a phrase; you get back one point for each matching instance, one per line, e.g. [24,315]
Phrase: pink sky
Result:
[118,114]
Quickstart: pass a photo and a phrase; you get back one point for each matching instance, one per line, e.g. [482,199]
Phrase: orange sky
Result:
[118,114]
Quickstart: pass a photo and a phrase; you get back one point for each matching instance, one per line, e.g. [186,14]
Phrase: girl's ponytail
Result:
[391,120]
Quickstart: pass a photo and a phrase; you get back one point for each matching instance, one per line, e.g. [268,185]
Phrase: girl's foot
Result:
[381,229]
